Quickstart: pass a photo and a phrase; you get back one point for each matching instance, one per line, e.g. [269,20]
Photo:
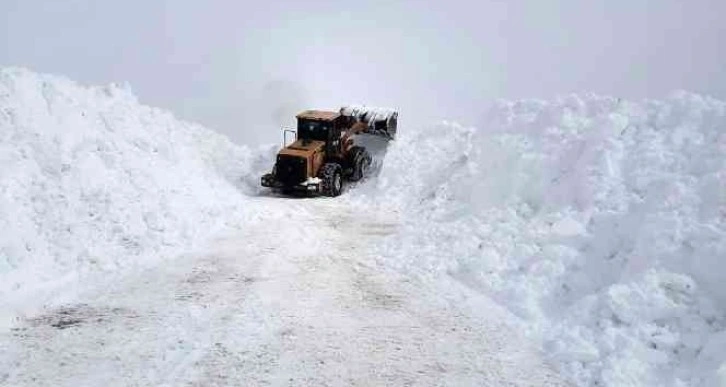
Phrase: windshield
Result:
[313,130]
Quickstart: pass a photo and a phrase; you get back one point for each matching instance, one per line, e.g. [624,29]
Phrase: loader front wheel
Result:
[331,175]
[359,160]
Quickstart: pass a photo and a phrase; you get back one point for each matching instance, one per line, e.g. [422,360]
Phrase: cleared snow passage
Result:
[295,299]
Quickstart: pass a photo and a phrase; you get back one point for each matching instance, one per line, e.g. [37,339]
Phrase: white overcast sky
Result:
[243,67]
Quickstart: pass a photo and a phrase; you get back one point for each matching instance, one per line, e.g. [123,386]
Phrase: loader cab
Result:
[320,126]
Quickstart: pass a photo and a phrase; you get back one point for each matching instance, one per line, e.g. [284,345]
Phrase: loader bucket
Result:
[380,121]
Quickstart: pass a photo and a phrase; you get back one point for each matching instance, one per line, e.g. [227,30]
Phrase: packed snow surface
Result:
[257,310]
[579,239]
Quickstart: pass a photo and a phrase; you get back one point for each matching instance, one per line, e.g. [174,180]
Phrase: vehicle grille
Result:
[291,170]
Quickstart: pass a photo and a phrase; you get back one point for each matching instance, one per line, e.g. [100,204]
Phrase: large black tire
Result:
[359,160]
[331,175]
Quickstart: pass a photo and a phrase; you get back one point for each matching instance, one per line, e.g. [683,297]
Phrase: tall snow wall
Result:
[92,181]
[600,222]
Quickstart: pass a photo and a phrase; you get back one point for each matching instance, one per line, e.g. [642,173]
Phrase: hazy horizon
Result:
[243,69]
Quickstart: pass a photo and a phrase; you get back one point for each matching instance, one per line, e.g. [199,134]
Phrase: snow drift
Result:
[90,180]
[600,222]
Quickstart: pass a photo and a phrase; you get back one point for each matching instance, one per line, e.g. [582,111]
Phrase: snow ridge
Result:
[600,222]
[92,181]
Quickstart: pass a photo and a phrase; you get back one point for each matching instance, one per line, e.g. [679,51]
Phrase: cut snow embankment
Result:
[92,181]
[600,222]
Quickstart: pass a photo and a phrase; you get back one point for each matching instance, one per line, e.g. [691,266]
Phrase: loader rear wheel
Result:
[359,160]
[331,175]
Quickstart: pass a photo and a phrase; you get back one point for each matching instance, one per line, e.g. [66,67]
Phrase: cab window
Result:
[313,130]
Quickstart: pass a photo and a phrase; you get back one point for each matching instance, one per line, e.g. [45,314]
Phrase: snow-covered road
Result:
[298,298]
[599,222]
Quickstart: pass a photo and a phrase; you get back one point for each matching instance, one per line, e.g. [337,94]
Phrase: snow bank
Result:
[600,222]
[90,181]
